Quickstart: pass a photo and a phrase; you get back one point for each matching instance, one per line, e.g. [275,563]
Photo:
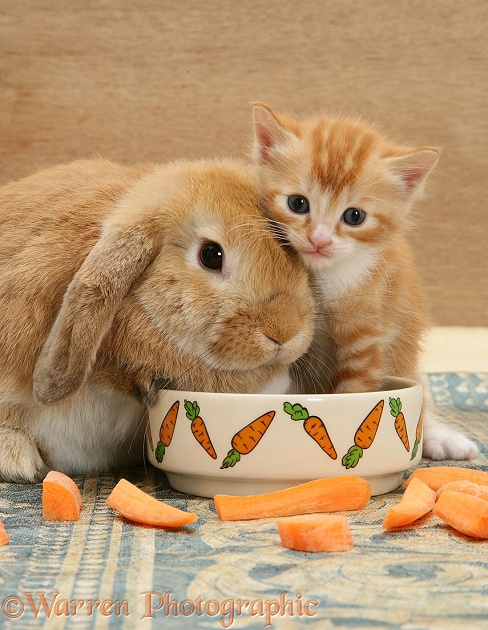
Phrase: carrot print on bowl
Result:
[166,431]
[400,424]
[418,438]
[313,425]
[264,443]
[364,436]
[245,440]
[198,428]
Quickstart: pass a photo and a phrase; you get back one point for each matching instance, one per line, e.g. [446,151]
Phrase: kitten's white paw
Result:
[456,447]
[443,442]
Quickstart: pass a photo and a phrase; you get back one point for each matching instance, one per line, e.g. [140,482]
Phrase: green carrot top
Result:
[297,412]
[395,406]
[192,410]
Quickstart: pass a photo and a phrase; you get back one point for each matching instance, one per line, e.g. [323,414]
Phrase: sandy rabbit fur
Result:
[104,299]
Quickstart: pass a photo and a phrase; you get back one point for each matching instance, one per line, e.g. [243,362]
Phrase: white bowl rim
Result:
[392,383]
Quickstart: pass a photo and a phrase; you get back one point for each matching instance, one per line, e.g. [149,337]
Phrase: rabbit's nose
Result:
[276,341]
[280,320]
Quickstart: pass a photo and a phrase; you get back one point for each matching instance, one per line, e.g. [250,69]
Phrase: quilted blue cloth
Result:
[104,572]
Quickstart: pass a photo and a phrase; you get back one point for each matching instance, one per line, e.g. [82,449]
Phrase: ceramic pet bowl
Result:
[249,444]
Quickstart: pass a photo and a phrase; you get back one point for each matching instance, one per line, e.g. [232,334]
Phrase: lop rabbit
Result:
[118,280]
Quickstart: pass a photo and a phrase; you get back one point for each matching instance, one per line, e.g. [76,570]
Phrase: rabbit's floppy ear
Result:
[89,305]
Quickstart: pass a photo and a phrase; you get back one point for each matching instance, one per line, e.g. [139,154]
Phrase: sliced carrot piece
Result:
[315,532]
[61,498]
[417,500]
[4,539]
[437,476]
[140,507]
[468,487]
[333,494]
[467,514]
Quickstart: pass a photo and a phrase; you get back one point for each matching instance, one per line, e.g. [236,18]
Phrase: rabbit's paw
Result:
[20,460]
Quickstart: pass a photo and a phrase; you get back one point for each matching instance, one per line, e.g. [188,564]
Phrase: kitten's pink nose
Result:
[320,238]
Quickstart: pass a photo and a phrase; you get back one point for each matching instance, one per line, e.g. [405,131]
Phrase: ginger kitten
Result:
[340,194]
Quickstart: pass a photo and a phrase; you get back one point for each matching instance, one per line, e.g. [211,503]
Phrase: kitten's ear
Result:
[269,133]
[411,170]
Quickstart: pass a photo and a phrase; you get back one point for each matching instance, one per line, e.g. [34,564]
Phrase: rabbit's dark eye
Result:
[298,204]
[211,256]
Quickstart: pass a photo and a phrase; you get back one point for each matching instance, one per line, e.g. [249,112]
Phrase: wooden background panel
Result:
[158,79]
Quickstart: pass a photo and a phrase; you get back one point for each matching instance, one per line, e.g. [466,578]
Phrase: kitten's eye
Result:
[353,216]
[298,204]
[211,256]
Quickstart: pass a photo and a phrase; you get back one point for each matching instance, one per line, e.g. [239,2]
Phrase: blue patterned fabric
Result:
[104,572]
[460,391]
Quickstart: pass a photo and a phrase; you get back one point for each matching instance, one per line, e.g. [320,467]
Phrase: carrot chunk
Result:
[333,494]
[437,476]
[417,500]
[315,532]
[4,539]
[468,487]
[138,506]
[465,513]
[61,498]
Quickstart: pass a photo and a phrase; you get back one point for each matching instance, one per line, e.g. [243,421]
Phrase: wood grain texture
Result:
[152,79]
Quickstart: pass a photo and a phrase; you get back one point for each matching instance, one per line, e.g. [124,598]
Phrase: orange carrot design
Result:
[418,437]
[148,430]
[198,428]
[313,425]
[364,436]
[166,431]
[400,424]
[247,438]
